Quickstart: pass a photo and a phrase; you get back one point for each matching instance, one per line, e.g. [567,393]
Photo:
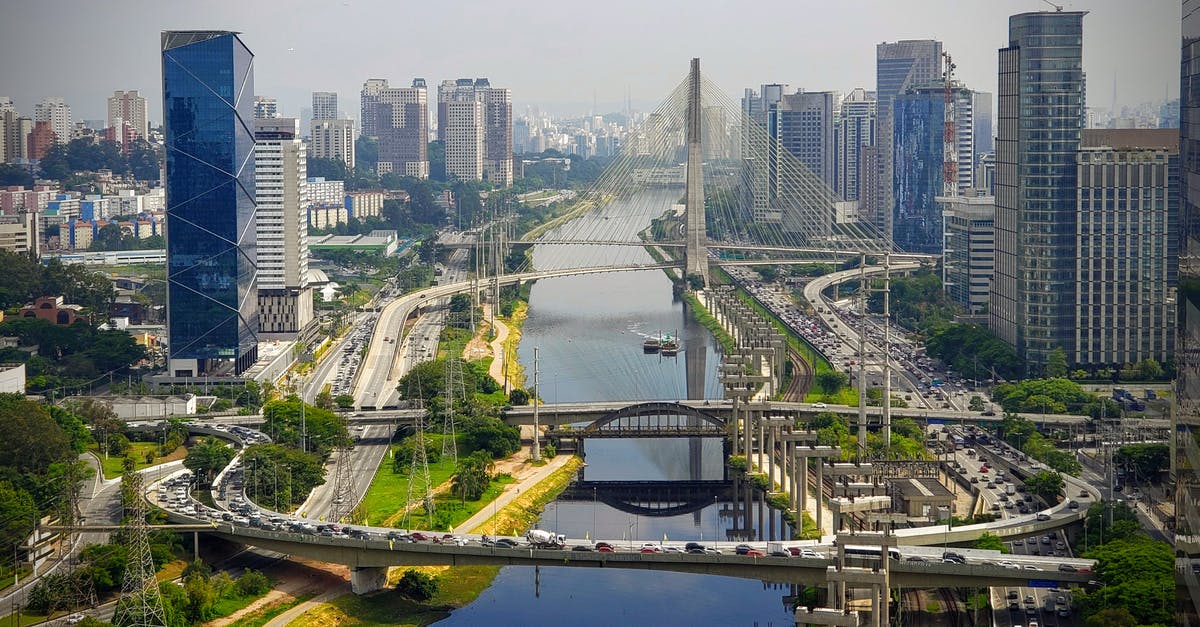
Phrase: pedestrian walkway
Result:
[526,479]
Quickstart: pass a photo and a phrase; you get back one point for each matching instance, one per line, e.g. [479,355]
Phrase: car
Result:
[1047,539]
[605,549]
[672,549]
[820,406]
[984,470]
[1067,568]
[506,543]
[697,551]
[650,549]
[1011,566]
[915,558]
[974,479]
[1014,605]
[1063,612]
[603,545]
[1060,546]
[1033,623]
[75,618]
[1019,542]
[754,553]
[809,553]
[582,548]
[1012,595]
[1060,600]
[1073,505]
[1030,567]
[742,549]
[420,537]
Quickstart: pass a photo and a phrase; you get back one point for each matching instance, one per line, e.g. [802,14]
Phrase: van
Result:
[1044,515]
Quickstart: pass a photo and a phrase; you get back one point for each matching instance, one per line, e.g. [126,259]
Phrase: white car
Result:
[819,405]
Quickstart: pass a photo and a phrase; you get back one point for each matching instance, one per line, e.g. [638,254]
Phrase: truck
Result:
[542,539]
[1010,489]
[778,549]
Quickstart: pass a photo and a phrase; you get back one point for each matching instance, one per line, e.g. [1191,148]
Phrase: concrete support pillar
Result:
[763,452]
[368,579]
[820,489]
[802,479]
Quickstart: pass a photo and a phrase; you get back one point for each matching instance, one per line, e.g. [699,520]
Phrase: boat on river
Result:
[669,346]
[651,345]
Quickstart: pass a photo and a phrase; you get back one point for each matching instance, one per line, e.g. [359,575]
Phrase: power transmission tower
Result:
[454,392]
[81,590]
[140,604]
[418,474]
[345,493]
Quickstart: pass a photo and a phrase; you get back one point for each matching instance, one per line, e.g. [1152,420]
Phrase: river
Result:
[589,332]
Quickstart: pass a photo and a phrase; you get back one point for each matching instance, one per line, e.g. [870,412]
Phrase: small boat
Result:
[651,345]
[669,346]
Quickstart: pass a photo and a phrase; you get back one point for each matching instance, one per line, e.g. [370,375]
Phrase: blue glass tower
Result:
[212,300]
[918,121]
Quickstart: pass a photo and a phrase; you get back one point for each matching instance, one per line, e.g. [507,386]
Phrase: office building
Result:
[58,113]
[898,66]
[466,132]
[285,304]
[920,158]
[982,110]
[399,118]
[19,233]
[1033,295]
[985,174]
[265,108]
[970,249]
[208,115]
[324,105]
[802,124]
[39,141]
[363,205]
[1185,451]
[1127,251]
[333,139]
[855,129]
[128,108]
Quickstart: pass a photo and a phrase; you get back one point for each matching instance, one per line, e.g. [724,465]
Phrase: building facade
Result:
[208,114]
[127,107]
[57,112]
[898,66]
[919,156]
[1127,246]
[970,251]
[265,108]
[464,141]
[399,118]
[285,304]
[1185,452]
[333,139]
[854,130]
[14,133]
[802,124]
[324,105]
[1032,306]
[19,234]
[466,131]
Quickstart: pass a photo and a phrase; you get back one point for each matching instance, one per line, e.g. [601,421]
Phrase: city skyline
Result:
[553,67]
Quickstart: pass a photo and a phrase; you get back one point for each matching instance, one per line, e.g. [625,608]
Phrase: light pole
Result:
[593,513]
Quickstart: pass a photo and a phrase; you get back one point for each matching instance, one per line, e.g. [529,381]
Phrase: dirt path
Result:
[496,370]
[526,475]
[295,577]
[476,348]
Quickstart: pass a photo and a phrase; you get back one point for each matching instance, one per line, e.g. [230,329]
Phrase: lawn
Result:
[388,492]
[263,616]
[137,450]
[450,511]
[23,619]
[456,588]
[227,605]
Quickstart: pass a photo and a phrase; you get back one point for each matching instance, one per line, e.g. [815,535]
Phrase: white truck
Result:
[542,539]
[1010,489]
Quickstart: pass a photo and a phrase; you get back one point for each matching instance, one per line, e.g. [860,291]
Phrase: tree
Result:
[1047,485]
[13,174]
[1111,617]
[417,585]
[831,381]
[30,440]
[518,396]
[207,457]
[20,516]
[471,477]
[990,541]
[1056,364]
[491,435]
[437,161]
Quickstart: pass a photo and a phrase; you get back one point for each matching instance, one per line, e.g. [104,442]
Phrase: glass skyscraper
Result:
[208,113]
[1040,117]
[1185,457]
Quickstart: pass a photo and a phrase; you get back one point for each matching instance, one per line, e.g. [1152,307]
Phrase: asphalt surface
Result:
[365,457]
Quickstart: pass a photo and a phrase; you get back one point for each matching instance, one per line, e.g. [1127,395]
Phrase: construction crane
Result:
[1057,7]
[949,135]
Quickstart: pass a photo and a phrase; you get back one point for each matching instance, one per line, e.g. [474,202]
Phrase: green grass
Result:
[388,490]
[264,616]
[450,511]
[456,587]
[113,467]
[228,605]
[23,619]
[709,322]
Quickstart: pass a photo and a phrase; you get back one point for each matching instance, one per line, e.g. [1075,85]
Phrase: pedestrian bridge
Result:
[656,420]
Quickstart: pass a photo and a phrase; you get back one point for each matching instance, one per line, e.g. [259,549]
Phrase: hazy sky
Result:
[556,54]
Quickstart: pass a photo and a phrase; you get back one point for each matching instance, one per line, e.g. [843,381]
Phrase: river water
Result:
[589,332]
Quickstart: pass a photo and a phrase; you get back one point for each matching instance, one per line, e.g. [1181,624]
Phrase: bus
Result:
[868,552]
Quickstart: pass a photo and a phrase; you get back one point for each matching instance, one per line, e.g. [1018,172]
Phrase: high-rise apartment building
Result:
[14,133]
[333,139]
[285,304]
[802,123]
[39,141]
[324,105]
[970,250]
[919,156]
[1126,247]
[265,108]
[1040,114]
[494,120]
[1185,441]
[898,66]
[208,115]
[982,109]
[57,112]
[127,107]
[399,118]
[854,130]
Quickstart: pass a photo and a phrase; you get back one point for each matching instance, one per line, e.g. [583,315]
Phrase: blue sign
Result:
[1042,583]
[937,421]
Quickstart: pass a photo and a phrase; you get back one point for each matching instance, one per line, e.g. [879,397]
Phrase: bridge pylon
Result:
[696,252]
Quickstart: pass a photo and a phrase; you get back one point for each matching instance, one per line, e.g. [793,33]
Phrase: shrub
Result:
[417,585]
[253,583]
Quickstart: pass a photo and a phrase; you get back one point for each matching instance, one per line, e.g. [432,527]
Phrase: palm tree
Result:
[470,479]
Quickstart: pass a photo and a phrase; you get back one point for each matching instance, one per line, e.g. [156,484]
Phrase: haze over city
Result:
[555,55]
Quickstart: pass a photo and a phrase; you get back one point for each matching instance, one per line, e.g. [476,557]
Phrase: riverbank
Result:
[515,371]
[458,585]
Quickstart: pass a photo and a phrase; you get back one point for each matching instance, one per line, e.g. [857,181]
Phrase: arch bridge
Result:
[655,420]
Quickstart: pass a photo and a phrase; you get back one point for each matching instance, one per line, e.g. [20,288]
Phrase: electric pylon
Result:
[454,394]
[345,493]
[418,474]
[140,604]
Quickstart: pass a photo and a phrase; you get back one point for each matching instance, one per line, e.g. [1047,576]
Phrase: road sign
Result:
[1042,583]
[937,421]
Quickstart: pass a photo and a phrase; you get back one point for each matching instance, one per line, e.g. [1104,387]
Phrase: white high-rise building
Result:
[127,107]
[14,133]
[333,139]
[280,178]
[855,129]
[265,108]
[57,112]
[324,105]
[464,139]
[495,122]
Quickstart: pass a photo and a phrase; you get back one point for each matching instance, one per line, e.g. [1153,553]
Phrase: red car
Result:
[650,550]
[605,549]
[983,469]
[418,536]
[755,553]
